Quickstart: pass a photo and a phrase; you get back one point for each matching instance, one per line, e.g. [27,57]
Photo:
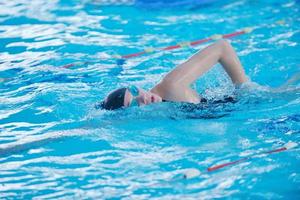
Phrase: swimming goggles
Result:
[135,92]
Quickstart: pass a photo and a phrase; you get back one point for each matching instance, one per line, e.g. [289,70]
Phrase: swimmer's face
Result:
[143,98]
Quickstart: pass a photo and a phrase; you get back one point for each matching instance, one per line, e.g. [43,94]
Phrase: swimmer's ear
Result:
[100,105]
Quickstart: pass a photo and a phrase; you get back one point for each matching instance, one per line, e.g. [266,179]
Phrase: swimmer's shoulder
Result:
[157,90]
[176,93]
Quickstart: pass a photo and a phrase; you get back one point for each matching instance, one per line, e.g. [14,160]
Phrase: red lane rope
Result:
[226,164]
[69,65]
[193,172]
[193,43]
[74,64]
[176,46]
[213,168]
[198,42]
[234,34]
[276,150]
[133,55]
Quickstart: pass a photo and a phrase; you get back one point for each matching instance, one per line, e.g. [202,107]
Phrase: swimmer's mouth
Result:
[152,99]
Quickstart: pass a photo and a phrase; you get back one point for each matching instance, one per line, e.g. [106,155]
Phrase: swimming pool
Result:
[58,59]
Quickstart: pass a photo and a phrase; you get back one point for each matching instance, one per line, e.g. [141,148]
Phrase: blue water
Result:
[54,144]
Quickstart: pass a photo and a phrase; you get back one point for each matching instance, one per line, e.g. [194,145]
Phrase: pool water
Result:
[58,59]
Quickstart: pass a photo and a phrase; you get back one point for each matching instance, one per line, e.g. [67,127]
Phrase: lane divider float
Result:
[187,44]
[193,172]
[122,58]
[74,64]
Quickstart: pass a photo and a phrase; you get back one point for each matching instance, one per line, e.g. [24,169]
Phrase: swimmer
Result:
[176,85]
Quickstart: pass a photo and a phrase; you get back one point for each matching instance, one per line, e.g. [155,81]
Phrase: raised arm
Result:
[221,51]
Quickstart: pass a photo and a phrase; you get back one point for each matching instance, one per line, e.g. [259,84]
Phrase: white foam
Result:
[191,173]
[290,145]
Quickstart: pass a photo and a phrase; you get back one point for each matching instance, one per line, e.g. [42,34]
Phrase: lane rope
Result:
[193,172]
[188,44]
[120,59]
[75,64]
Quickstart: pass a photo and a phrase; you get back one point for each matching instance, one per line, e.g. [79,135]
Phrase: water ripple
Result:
[58,58]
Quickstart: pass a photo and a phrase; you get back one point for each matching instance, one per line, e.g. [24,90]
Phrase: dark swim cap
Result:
[114,100]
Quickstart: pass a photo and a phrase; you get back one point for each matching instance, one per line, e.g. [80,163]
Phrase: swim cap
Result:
[114,100]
